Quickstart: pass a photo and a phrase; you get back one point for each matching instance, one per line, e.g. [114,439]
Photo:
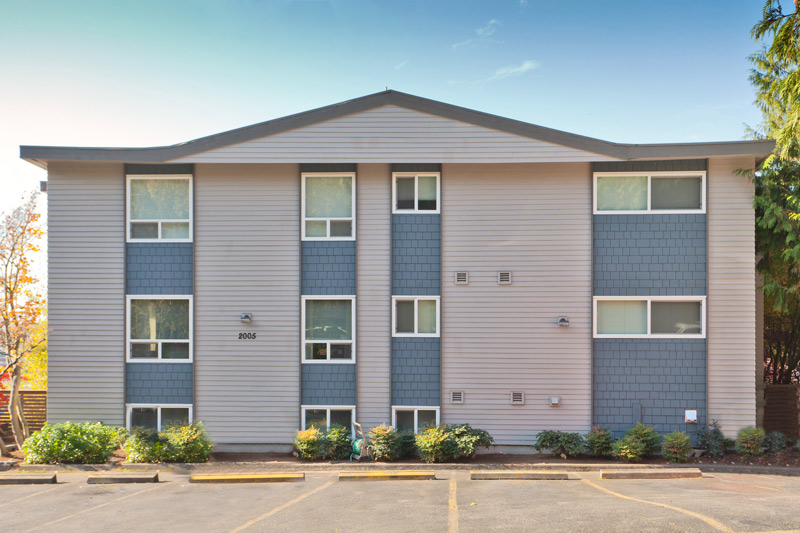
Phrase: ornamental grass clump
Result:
[599,442]
[86,443]
[750,441]
[560,443]
[676,447]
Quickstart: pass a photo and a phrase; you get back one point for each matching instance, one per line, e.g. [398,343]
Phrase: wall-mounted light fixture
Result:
[554,401]
[691,417]
[246,318]
[563,321]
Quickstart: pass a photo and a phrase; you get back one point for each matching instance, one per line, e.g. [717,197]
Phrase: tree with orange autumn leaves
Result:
[21,306]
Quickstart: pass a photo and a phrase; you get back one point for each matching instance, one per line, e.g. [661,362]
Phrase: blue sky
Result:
[144,73]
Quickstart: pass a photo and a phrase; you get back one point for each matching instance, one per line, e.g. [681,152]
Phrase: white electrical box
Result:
[691,417]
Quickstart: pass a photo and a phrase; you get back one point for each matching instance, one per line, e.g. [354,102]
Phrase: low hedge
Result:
[451,442]
[315,443]
[87,443]
[176,444]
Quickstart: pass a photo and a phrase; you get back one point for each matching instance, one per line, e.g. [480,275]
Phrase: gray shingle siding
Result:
[416,255]
[657,378]
[328,384]
[328,268]
[416,371]
[650,255]
[159,383]
[159,268]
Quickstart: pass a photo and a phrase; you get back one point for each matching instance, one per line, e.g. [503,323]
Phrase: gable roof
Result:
[39,155]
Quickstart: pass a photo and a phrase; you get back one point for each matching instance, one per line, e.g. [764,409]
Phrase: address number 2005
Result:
[247,336]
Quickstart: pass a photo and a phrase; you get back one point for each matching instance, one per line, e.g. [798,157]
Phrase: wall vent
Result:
[504,278]
[517,398]
[457,396]
[462,278]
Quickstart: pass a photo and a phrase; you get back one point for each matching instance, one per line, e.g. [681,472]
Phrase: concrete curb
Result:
[28,479]
[520,475]
[382,475]
[666,473]
[247,478]
[121,477]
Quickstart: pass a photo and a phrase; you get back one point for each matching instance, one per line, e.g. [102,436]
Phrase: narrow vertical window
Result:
[160,208]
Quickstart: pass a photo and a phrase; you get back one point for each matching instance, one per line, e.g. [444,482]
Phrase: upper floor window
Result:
[654,192]
[328,329]
[654,316]
[160,208]
[328,206]
[159,329]
[415,316]
[415,193]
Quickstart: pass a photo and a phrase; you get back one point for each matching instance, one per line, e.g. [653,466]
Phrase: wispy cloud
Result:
[484,35]
[523,3]
[401,65]
[513,71]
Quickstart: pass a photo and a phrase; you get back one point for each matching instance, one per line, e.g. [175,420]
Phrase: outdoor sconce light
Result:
[563,321]
[554,401]
[246,318]
[691,417]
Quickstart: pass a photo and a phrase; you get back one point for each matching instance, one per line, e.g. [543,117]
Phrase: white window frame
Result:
[129,341]
[131,177]
[416,300]
[649,322]
[303,340]
[416,409]
[416,176]
[702,174]
[351,408]
[328,220]
[129,407]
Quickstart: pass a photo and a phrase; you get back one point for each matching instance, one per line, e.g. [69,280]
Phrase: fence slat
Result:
[34,406]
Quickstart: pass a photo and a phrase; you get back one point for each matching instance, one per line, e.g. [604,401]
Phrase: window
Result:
[415,316]
[160,208]
[656,316]
[416,193]
[414,418]
[158,417]
[654,192]
[329,329]
[159,329]
[323,416]
[328,206]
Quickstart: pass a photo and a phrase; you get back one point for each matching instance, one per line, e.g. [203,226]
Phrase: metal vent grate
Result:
[517,398]
[457,396]
[462,278]
[504,278]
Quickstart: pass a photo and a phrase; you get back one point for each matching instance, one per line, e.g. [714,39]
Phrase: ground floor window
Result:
[323,416]
[158,417]
[414,418]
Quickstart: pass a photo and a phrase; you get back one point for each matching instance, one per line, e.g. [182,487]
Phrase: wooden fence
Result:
[782,409]
[34,406]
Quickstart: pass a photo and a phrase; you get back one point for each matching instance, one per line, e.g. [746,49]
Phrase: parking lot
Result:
[452,502]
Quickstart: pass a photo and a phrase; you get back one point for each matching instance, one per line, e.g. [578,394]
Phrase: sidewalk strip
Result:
[105,479]
[663,473]
[517,475]
[708,520]
[27,479]
[246,478]
[386,475]
[282,507]
[452,505]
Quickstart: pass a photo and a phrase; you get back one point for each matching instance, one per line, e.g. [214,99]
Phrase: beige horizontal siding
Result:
[535,221]
[86,292]
[247,259]
[374,266]
[392,134]
[731,296]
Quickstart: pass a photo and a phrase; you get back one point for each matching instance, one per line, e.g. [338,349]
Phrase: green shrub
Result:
[714,442]
[310,444]
[750,441]
[145,446]
[73,443]
[630,449]
[187,444]
[677,447]
[384,441]
[338,444]
[647,436]
[559,443]
[450,443]
[599,442]
[775,442]
[406,445]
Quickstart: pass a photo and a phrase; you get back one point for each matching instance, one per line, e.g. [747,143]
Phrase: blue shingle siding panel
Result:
[652,380]
[328,384]
[650,255]
[416,371]
[159,268]
[159,383]
[670,165]
[328,267]
[416,255]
